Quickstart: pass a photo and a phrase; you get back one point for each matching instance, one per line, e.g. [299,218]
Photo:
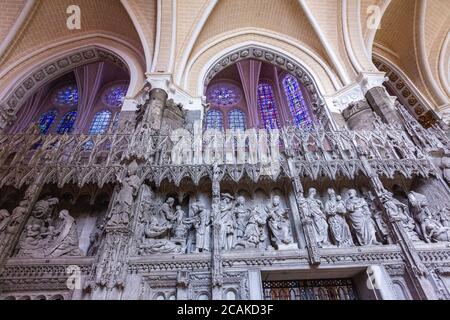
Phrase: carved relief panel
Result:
[64,222]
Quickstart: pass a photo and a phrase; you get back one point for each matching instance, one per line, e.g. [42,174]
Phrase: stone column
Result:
[255,285]
[155,108]
[107,280]
[382,104]
[310,238]
[358,115]
[217,272]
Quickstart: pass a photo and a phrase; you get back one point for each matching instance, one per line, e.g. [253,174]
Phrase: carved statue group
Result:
[338,222]
[353,221]
[246,227]
[166,228]
[47,235]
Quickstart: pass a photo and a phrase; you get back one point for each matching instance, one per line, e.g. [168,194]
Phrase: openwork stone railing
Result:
[97,159]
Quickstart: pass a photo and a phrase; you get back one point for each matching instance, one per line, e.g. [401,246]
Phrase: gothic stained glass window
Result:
[214,120]
[115,96]
[46,120]
[67,122]
[236,119]
[66,96]
[267,106]
[224,95]
[297,105]
[100,122]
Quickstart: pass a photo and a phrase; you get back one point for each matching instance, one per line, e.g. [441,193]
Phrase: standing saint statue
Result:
[227,221]
[121,210]
[339,229]
[202,226]
[314,210]
[360,219]
[242,216]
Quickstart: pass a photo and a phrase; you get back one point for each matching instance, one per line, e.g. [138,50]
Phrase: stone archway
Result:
[44,73]
[318,105]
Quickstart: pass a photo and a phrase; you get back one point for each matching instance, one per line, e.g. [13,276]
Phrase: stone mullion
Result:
[413,262]
[306,223]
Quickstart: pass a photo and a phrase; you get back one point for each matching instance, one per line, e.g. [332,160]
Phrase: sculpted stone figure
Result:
[339,229]
[227,221]
[397,211]
[52,241]
[254,234]
[432,230]
[10,222]
[167,211]
[180,229]
[159,230]
[278,222]
[242,215]
[156,237]
[4,219]
[120,214]
[360,219]
[202,226]
[314,210]
[63,240]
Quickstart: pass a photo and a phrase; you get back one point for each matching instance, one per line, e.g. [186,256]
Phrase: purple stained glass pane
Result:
[67,122]
[224,95]
[236,119]
[267,106]
[115,96]
[66,96]
[297,104]
[46,120]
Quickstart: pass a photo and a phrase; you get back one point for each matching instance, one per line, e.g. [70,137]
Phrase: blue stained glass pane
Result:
[297,105]
[214,120]
[115,96]
[100,122]
[67,122]
[67,96]
[46,120]
[267,106]
[236,119]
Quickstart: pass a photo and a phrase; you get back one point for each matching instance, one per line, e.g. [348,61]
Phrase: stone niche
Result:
[10,197]
[65,222]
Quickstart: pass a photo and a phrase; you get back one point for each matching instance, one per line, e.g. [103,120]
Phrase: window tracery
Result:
[236,119]
[46,120]
[214,120]
[67,122]
[267,106]
[296,101]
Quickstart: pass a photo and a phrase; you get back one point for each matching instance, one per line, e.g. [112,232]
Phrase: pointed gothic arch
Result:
[280,60]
